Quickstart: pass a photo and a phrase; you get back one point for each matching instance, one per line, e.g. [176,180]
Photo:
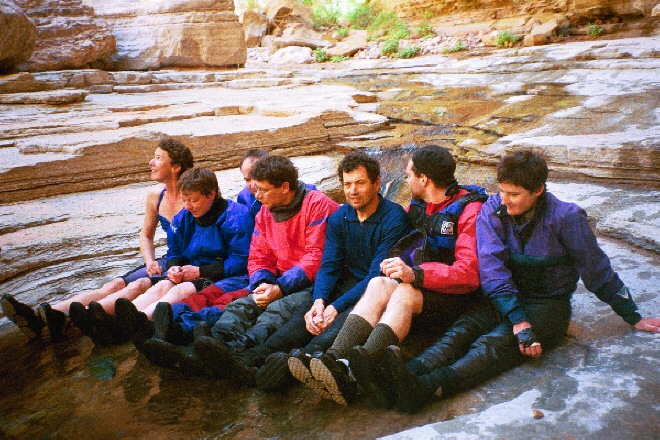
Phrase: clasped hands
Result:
[319,317]
[265,294]
[179,274]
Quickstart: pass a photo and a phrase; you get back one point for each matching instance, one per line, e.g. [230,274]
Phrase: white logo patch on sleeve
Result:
[447,228]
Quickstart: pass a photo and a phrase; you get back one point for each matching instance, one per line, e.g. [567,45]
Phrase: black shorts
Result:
[199,283]
[446,308]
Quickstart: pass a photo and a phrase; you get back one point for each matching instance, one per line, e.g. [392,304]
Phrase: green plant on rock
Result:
[320,56]
[594,31]
[338,59]
[385,24]
[362,16]
[507,39]
[325,15]
[457,47]
[424,29]
[342,32]
[389,48]
[408,52]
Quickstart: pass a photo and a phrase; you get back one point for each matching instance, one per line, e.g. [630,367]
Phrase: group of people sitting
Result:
[285,284]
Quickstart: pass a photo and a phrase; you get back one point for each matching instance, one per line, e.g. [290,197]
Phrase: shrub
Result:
[408,52]
[337,59]
[362,16]
[342,32]
[389,47]
[507,39]
[457,47]
[319,55]
[424,29]
[325,15]
[594,31]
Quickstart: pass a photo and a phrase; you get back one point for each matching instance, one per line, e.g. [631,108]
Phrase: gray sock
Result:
[354,332]
[382,337]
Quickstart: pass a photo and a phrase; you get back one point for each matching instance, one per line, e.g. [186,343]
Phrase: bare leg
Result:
[132,291]
[374,301]
[176,294]
[405,302]
[153,295]
[88,296]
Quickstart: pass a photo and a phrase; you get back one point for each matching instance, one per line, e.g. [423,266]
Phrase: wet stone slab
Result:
[601,383]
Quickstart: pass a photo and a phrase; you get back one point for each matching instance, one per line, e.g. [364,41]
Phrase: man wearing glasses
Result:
[285,254]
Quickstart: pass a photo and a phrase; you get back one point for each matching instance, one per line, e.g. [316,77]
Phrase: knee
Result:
[142,284]
[404,299]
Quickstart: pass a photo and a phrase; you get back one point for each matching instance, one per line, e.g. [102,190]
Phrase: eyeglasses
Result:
[263,192]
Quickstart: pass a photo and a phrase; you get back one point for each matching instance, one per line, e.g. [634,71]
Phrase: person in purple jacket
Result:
[532,250]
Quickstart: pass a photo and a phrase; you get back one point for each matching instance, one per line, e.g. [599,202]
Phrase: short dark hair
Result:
[179,154]
[436,162]
[200,180]
[253,153]
[355,159]
[275,170]
[523,168]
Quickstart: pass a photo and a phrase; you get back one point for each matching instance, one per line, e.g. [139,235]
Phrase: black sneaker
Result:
[370,378]
[81,318]
[410,392]
[299,367]
[223,361]
[163,319]
[334,374]
[126,316]
[101,324]
[23,316]
[274,373]
[54,319]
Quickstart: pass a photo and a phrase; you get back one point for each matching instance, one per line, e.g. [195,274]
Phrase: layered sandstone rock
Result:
[69,36]
[17,36]
[255,26]
[183,33]
[498,9]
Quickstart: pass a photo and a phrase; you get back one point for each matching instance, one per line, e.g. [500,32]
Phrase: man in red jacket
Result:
[432,273]
[285,254]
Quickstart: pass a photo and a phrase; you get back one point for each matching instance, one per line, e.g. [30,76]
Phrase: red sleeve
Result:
[320,210]
[463,276]
[261,255]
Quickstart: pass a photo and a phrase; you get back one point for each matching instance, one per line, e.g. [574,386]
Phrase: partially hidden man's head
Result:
[199,189]
[247,163]
[521,176]
[359,175]
[178,153]
[276,179]
[430,163]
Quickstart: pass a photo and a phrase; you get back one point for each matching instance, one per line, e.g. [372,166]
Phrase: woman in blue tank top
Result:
[171,159]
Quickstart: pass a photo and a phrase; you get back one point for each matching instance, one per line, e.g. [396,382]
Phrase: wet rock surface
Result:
[73,178]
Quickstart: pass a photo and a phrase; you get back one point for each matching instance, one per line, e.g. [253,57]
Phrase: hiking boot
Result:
[370,378]
[81,318]
[274,373]
[223,362]
[174,357]
[201,329]
[299,368]
[54,320]
[29,323]
[409,390]
[335,376]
